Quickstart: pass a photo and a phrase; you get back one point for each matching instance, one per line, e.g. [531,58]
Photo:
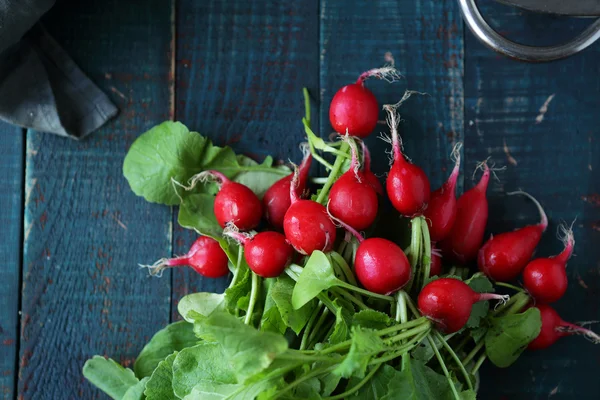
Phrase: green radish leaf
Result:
[260,181]
[160,385]
[281,293]
[365,345]
[371,319]
[271,320]
[197,305]
[468,395]
[481,284]
[329,382]
[509,335]
[109,376]
[173,337]
[424,352]
[377,386]
[169,151]
[239,294]
[318,275]
[308,389]
[136,392]
[418,382]
[203,362]
[247,350]
[343,321]
[196,212]
[210,390]
[479,333]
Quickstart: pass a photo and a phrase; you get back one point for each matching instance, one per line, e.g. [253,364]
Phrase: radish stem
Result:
[444,368]
[426,260]
[253,297]
[309,324]
[339,161]
[357,386]
[460,365]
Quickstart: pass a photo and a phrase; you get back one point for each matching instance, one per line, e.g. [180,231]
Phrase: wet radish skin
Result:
[354,110]
[504,257]
[381,266]
[206,257]
[276,200]
[237,204]
[353,202]
[308,227]
[268,253]
[408,188]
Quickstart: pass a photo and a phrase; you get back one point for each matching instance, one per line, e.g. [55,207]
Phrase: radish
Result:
[407,185]
[235,203]
[553,328]
[353,109]
[448,303]
[276,200]
[441,210]
[206,257]
[352,199]
[435,268]
[307,225]
[380,264]
[369,175]
[465,238]
[267,253]
[545,278]
[504,256]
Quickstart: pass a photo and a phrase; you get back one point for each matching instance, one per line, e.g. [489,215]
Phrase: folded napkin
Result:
[40,86]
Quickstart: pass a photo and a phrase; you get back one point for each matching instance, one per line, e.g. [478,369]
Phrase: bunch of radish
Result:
[289,223]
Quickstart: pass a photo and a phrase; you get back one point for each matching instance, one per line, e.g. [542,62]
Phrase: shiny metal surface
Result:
[574,8]
[487,35]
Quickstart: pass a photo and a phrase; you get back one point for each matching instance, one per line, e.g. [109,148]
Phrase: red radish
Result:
[441,210]
[206,257]
[465,238]
[545,278]
[267,253]
[353,109]
[504,256]
[307,225]
[435,268]
[351,198]
[553,328]
[235,203]
[276,200]
[407,185]
[448,303]
[380,265]
[369,175]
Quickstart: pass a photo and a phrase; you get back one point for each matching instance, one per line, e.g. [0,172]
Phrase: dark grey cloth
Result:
[40,86]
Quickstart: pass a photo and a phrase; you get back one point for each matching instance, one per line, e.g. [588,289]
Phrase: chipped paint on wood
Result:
[11,206]
[541,116]
[82,291]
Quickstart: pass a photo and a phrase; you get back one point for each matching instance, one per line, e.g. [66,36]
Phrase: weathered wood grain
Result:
[85,231]
[241,66]
[425,39]
[11,220]
[541,122]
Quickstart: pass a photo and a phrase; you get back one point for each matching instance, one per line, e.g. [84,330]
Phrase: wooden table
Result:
[73,232]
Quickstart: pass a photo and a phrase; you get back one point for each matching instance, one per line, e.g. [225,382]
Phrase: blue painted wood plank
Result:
[11,220]
[85,231]
[425,39]
[241,66]
[541,122]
